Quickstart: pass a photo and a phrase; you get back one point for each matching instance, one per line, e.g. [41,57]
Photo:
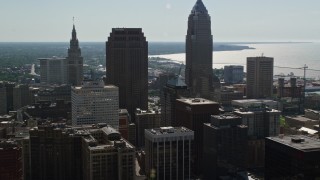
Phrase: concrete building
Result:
[52,93]
[9,90]
[21,96]
[146,120]
[74,61]
[301,121]
[53,70]
[259,77]
[3,99]
[228,94]
[124,121]
[225,146]
[199,47]
[168,153]
[192,113]
[174,89]
[127,67]
[233,74]
[93,103]
[10,161]
[54,153]
[107,156]
[292,157]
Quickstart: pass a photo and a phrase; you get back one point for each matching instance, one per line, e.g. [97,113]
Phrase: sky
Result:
[161,20]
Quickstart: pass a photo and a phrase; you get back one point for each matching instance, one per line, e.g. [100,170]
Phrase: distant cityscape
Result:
[112,111]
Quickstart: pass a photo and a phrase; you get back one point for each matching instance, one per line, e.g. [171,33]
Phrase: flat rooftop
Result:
[196,101]
[306,144]
[302,118]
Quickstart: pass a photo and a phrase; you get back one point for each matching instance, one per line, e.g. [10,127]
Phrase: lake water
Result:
[294,55]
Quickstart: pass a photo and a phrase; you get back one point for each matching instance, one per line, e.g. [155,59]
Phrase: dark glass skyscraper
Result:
[75,61]
[127,67]
[199,75]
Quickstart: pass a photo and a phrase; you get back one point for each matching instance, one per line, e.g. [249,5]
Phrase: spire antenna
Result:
[73,20]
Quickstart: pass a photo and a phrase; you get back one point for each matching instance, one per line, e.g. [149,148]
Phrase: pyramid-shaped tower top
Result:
[199,7]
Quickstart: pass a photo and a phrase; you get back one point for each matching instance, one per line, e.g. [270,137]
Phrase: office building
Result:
[124,121]
[21,96]
[259,77]
[146,120]
[199,47]
[192,113]
[292,157]
[53,70]
[174,89]
[10,161]
[93,103]
[168,153]
[74,61]
[55,153]
[228,94]
[233,74]
[52,93]
[127,67]
[225,146]
[3,99]
[107,156]
[9,90]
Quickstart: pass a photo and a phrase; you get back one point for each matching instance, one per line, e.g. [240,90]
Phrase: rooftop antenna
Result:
[73,20]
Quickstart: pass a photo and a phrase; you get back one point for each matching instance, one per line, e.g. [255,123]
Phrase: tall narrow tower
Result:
[75,61]
[199,75]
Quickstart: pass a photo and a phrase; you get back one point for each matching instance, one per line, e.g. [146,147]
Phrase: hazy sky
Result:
[161,20]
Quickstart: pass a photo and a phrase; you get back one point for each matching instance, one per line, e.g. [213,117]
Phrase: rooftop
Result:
[299,142]
[199,7]
[196,101]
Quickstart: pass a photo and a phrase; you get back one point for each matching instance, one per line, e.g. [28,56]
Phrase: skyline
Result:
[164,20]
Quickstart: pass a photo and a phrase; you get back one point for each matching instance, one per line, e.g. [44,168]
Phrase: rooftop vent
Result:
[297,140]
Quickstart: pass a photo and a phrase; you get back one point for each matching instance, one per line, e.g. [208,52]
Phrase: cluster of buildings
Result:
[68,128]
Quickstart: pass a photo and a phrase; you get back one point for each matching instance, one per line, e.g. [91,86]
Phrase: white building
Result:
[93,103]
[53,70]
[168,152]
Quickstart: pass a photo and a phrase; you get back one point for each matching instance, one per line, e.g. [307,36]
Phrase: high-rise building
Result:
[174,89]
[107,156]
[9,90]
[53,70]
[55,153]
[233,74]
[21,96]
[192,113]
[124,121]
[168,153]
[3,99]
[225,144]
[259,77]
[74,61]
[127,67]
[292,157]
[199,47]
[146,120]
[10,161]
[93,103]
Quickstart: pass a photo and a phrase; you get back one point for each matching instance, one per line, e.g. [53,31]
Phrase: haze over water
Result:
[293,55]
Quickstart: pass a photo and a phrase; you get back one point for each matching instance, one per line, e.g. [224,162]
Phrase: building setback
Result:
[192,113]
[168,152]
[292,157]
[259,77]
[93,103]
[127,67]
[199,74]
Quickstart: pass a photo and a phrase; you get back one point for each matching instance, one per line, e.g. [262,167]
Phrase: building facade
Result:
[199,47]
[146,120]
[127,67]
[192,113]
[225,146]
[93,103]
[259,77]
[233,74]
[168,153]
[11,161]
[21,96]
[3,99]
[174,89]
[53,70]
